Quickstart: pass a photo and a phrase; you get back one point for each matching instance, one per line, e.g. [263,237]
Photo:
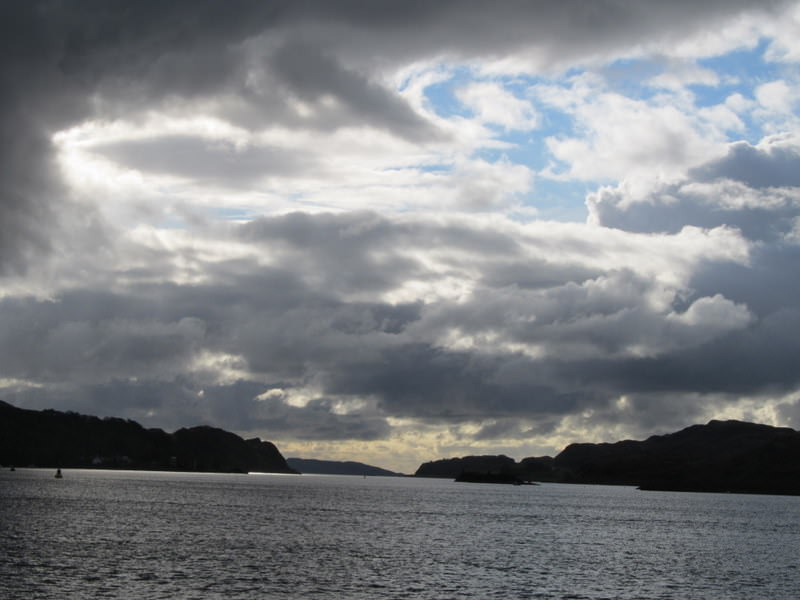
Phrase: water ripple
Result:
[166,535]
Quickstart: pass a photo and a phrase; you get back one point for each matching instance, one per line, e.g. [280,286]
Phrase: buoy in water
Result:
[58,474]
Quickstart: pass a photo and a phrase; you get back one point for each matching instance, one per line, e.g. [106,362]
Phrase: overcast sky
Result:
[400,231]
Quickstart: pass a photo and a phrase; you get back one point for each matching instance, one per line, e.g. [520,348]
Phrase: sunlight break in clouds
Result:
[390,232]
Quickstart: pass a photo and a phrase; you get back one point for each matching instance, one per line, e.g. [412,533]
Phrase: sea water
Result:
[124,534]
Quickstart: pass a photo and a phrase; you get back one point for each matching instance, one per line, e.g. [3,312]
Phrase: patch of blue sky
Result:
[743,69]
[520,84]
[442,94]
[556,200]
[520,147]
[427,167]
[556,123]
[523,148]
[553,199]
[707,95]
[741,72]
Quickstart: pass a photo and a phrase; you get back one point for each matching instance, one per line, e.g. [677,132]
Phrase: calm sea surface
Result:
[117,534]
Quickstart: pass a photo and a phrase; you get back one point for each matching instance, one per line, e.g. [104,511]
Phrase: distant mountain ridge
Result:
[721,456]
[51,438]
[336,467]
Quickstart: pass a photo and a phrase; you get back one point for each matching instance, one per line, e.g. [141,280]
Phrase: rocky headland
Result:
[50,438]
[721,456]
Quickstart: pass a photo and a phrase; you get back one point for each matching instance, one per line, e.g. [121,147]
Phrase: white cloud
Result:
[492,103]
[678,74]
[775,106]
[623,137]
[785,36]
[707,318]
[777,96]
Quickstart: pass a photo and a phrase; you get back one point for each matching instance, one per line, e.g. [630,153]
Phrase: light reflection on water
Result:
[111,534]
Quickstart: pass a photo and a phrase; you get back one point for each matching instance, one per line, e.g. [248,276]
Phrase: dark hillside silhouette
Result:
[51,438]
[721,456]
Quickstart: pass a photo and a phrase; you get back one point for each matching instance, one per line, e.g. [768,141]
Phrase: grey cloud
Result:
[422,381]
[55,56]
[555,34]
[674,208]
[164,404]
[29,187]
[181,402]
[769,283]
[346,252]
[312,75]
[46,341]
[501,428]
[604,315]
[290,327]
[317,421]
[754,190]
[67,61]
[759,359]
[413,378]
[206,159]
[775,165]
[527,274]
[364,232]
[365,251]
[242,406]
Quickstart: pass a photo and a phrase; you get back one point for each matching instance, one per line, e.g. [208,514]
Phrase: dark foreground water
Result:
[115,534]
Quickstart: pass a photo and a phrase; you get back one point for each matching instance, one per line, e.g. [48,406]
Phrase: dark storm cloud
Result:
[140,354]
[181,402]
[87,336]
[759,359]
[159,347]
[28,186]
[316,421]
[768,283]
[422,381]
